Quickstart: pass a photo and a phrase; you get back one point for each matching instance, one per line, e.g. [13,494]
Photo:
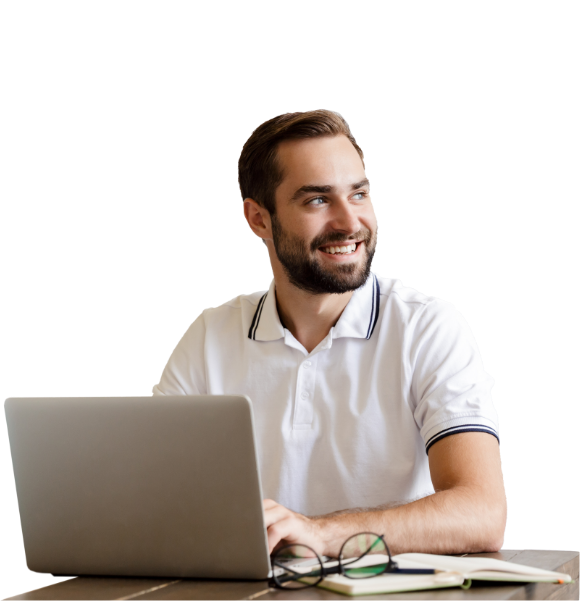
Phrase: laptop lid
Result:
[141,486]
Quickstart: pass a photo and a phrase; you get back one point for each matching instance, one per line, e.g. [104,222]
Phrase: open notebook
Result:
[452,571]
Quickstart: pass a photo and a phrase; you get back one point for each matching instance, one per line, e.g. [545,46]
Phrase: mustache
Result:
[365,235]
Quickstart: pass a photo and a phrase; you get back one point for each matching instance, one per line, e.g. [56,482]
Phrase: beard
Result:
[307,273]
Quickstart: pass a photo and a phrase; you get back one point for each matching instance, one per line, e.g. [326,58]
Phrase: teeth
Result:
[341,249]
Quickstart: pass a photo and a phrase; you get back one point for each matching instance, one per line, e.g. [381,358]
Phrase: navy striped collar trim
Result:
[375,307]
[256,320]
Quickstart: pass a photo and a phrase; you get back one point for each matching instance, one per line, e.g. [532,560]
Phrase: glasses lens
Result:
[296,566]
[364,556]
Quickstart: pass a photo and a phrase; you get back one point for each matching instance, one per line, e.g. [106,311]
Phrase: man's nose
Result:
[345,217]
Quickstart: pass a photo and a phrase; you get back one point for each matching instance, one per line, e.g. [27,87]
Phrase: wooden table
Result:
[171,588]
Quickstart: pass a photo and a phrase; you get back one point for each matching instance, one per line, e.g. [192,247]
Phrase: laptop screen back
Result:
[150,486]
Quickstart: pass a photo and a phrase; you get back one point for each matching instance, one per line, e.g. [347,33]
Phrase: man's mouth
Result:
[340,249]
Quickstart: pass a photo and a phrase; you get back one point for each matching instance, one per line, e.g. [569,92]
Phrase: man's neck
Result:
[308,316]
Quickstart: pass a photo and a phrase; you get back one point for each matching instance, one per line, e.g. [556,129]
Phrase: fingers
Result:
[284,527]
[276,514]
[283,531]
[281,523]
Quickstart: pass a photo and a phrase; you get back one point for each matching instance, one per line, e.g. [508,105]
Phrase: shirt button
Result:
[304,395]
[306,364]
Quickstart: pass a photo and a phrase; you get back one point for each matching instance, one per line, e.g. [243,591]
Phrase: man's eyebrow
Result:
[324,189]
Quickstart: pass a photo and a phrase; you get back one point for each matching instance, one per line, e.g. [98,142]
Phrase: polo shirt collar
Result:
[358,320]
[266,324]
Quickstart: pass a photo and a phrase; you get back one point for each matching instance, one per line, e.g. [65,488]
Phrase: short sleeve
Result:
[184,373]
[450,389]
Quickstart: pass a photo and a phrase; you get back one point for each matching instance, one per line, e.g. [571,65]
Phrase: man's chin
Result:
[334,279]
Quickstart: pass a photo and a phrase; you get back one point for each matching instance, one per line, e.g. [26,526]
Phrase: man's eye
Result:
[316,201]
[360,195]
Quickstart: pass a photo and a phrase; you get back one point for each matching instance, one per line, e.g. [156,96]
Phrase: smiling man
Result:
[372,409]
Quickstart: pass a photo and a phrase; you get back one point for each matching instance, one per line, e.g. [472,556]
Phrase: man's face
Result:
[324,230]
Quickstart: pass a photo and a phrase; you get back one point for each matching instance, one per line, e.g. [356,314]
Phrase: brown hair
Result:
[259,173]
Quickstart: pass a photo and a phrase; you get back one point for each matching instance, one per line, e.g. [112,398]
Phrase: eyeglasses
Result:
[363,555]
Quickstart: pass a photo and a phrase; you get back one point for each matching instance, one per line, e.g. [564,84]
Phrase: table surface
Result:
[171,588]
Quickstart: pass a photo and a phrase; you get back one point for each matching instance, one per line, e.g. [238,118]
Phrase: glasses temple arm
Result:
[392,564]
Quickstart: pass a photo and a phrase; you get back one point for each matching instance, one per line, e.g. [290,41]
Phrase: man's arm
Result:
[467,513]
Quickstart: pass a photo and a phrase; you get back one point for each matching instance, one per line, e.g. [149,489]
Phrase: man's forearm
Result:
[457,520]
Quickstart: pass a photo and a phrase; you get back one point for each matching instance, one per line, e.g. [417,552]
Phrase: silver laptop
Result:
[151,486]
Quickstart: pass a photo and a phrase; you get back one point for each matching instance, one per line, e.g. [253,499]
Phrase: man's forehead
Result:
[304,149]
[323,161]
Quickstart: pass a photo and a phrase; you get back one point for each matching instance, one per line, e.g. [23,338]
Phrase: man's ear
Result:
[258,219]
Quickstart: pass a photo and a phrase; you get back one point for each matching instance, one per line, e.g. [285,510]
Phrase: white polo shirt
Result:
[348,424]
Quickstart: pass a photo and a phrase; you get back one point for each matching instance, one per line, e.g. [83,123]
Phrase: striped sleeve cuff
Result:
[457,426]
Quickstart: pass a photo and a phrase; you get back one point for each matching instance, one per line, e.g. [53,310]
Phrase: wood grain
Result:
[158,588]
[96,588]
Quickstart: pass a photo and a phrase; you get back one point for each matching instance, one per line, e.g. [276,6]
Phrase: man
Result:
[372,409]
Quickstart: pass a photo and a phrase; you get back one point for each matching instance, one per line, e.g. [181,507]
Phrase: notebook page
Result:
[471,565]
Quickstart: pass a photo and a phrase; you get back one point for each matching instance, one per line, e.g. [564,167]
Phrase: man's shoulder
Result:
[237,303]
[394,290]
[420,315]
[408,304]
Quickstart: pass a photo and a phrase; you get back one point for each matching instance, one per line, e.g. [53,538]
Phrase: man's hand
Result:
[286,528]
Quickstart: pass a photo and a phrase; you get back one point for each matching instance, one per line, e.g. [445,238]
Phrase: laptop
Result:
[142,486]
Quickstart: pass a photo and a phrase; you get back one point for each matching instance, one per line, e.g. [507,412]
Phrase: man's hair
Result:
[259,171]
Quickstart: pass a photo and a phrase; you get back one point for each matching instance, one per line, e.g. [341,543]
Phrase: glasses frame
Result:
[341,568]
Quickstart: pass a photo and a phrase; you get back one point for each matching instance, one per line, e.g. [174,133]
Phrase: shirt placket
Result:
[305,388]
